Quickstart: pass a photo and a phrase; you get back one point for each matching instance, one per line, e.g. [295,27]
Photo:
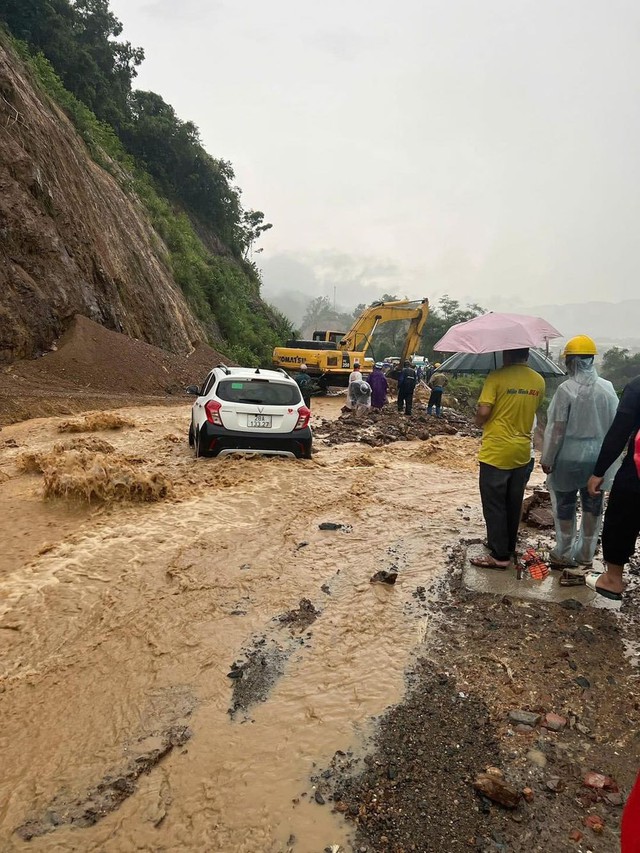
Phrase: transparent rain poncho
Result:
[579,416]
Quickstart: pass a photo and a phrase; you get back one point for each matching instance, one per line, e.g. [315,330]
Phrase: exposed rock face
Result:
[71,241]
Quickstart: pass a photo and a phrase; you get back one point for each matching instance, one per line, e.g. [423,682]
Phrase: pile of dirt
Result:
[91,357]
[91,364]
[379,427]
[414,793]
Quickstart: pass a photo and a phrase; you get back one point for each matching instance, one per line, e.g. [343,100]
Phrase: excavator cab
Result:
[332,337]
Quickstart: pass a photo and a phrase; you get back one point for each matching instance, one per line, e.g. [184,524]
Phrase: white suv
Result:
[249,410]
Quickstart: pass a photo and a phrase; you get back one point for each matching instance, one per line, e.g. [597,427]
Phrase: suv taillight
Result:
[212,408]
[303,417]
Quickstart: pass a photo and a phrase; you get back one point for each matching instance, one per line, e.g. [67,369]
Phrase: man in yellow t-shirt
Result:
[507,406]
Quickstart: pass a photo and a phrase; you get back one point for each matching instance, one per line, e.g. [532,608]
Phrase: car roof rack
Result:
[282,370]
[225,368]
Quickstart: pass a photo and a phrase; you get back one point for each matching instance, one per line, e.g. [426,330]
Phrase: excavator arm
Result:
[359,335]
[412,341]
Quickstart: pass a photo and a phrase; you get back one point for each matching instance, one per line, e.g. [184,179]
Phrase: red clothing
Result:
[630,839]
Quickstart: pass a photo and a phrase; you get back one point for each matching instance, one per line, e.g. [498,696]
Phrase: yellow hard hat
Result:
[437,364]
[580,345]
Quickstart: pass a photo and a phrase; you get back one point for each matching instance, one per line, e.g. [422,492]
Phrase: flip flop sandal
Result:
[488,563]
[570,579]
[591,580]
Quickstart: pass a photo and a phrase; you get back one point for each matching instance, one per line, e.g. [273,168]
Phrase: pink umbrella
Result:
[496,332]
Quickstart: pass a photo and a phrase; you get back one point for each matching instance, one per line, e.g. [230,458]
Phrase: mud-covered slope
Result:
[71,241]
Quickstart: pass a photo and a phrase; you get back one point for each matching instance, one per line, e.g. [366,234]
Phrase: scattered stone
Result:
[527,793]
[583,682]
[522,728]
[331,525]
[537,512]
[594,822]
[527,718]
[235,673]
[554,722]
[497,789]
[554,784]
[575,835]
[571,604]
[535,756]
[318,798]
[325,588]
[300,618]
[301,545]
[383,576]
[599,781]
[614,799]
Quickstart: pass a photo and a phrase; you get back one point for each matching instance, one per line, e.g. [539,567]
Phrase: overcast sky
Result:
[484,148]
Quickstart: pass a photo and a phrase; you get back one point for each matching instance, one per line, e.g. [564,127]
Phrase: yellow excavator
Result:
[330,355]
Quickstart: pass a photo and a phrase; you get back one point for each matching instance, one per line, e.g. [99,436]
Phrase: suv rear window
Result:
[260,391]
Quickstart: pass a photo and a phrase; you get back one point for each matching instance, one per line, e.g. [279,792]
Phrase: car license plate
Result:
[259,421]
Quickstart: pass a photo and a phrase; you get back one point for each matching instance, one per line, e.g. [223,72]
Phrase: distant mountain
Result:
[607,322]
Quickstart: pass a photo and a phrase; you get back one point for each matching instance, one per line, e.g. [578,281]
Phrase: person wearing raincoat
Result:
[379,387]
[579,416]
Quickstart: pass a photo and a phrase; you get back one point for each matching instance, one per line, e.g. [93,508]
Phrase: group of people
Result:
[372,392]
[587,431]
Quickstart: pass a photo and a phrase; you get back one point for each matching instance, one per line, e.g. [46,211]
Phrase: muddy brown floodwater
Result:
[122,625]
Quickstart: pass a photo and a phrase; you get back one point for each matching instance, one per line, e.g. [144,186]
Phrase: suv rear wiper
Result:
[247,400]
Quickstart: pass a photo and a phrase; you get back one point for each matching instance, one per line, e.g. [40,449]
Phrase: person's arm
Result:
[552,444]
[483,413]
[614,442]
[486,401]
[618,435]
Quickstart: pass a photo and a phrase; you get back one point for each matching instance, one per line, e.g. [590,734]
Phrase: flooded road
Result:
[119,624]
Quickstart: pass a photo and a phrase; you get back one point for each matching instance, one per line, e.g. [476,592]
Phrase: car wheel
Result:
[191,438]
[200,445]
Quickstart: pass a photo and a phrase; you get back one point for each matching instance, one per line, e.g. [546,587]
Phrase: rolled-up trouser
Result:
[580,548]
[502,491]
[621,525]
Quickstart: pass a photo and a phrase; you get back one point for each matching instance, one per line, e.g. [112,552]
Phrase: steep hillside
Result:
[71,241]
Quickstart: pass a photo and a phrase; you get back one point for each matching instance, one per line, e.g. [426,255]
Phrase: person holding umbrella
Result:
[506,408]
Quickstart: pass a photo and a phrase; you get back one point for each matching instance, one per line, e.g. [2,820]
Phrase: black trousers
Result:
[405,399]
[502,492]
[621,525]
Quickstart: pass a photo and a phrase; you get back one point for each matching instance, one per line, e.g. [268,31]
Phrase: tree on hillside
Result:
[80,39]
[619,367]
[441,318]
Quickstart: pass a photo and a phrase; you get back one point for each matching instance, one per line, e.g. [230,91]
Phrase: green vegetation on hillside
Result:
[72,50]
[619,367]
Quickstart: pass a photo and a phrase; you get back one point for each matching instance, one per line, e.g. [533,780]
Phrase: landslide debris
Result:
[379,427]
[91,364]
[116,786]
[415,791]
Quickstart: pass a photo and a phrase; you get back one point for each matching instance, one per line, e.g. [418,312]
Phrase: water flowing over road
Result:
[120,623]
